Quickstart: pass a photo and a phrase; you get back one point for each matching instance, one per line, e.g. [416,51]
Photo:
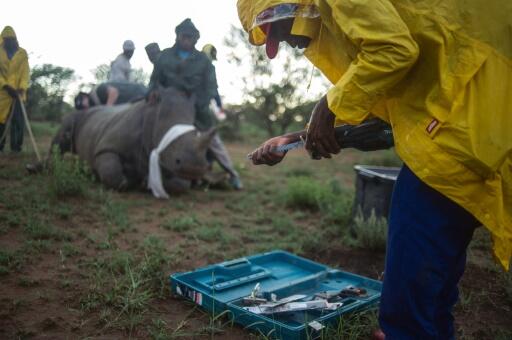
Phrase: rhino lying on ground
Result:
[117,141]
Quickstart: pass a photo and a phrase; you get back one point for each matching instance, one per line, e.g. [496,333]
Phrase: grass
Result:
[37,229]
[123,285]
[359,325]
[370,233]
[116,279]
[180,224]
[68,177]
[115,212]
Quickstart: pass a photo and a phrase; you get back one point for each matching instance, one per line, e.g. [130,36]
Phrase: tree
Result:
[101,74]
[45,96]
[276,94]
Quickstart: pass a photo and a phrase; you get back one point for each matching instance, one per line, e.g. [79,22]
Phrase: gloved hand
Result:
[11,91]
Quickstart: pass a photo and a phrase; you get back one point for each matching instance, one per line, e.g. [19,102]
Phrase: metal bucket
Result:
[374,187]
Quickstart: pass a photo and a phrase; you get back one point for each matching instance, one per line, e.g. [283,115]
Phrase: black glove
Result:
[11,91]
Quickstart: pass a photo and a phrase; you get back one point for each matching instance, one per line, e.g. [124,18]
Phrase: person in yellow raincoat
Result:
[440,72]
[14,77]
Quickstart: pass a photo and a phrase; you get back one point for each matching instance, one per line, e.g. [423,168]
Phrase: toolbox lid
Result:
[232,280]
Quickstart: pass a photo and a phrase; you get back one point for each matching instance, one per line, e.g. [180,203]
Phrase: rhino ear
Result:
[206,138]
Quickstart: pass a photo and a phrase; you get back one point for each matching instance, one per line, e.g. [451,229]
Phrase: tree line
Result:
[276,95]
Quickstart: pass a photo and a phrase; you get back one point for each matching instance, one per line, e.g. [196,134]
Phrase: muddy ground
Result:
[94,264]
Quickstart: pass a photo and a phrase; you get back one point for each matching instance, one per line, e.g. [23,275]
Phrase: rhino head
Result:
[185,157]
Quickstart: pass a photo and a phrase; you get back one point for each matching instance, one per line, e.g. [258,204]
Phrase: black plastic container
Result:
[374,187]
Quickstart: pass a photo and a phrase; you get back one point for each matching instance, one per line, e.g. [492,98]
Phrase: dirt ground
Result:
[95,265]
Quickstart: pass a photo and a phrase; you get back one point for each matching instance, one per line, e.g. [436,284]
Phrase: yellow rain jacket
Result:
[441,73]
[14,72]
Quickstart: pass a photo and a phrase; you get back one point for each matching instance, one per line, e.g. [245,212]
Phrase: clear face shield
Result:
[302,15]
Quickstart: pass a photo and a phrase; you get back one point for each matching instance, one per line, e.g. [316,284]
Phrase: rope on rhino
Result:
[155,173]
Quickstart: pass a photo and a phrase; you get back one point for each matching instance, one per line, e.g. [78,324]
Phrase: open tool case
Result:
[275,275]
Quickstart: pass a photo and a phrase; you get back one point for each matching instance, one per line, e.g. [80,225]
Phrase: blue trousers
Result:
[426,254]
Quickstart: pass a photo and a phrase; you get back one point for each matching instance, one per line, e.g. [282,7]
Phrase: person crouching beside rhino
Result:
[110,93]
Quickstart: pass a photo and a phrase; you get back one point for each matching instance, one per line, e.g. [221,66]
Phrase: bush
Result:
[333,201]
[67,177]
[370,233]
[303,193]
[182,223]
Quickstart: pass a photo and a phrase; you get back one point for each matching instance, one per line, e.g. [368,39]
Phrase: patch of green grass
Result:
[69,250]
[354,326]
[37,246]
[179,224]
[122,285]
[27,282]
[209,233]
[283,224]
[64,211]
[42,230]
[370,233]
[300,172]
[331,199]
[40,128]
[67,177]
[13,219]
[116,213]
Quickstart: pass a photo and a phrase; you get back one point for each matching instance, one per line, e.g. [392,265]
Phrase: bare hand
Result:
[320,138]
[265,154]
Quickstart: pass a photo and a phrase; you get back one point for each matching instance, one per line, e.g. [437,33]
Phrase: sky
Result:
[84,34]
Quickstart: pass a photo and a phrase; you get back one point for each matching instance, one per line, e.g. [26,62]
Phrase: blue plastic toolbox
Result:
[221,289]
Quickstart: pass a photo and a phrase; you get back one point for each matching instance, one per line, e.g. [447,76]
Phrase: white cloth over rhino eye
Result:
[155,173]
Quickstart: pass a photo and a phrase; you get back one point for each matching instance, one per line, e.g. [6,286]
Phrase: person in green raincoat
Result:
[191,71]
[14,81]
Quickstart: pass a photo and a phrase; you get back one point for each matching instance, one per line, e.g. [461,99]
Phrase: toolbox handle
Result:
[236,264]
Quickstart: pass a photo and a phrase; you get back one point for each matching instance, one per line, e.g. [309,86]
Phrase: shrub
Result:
[303,193]
[67,177]
[182,223]
[370,233]
[332,200]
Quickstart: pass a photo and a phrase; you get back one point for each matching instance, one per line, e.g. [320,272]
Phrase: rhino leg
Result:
[176,185]
[109,168]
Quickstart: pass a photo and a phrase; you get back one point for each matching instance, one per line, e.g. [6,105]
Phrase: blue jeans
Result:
[426,255]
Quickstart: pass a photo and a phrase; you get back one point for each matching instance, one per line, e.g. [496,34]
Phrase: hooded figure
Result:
[14,81]
[441,75]
[187,27]
[153,52]
[191,71]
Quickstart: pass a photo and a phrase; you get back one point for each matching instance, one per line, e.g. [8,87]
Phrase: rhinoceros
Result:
[117,141]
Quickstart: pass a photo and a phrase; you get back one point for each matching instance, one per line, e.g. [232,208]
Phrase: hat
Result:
[128,45]
[210,51]
[152,48]
[187,27]
[8,32]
